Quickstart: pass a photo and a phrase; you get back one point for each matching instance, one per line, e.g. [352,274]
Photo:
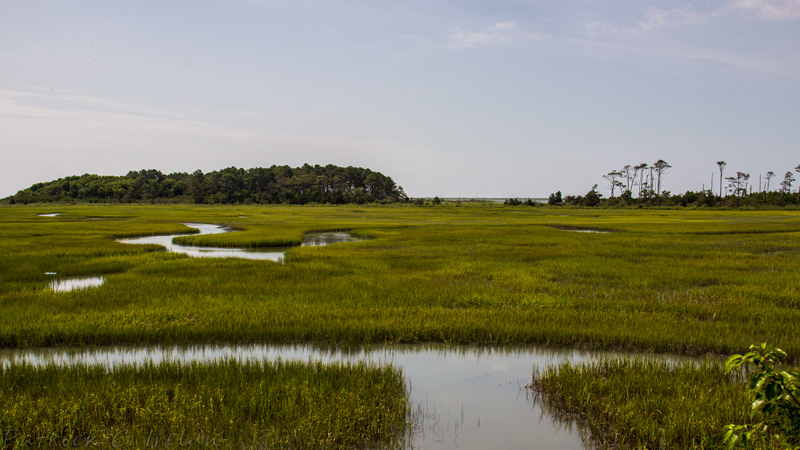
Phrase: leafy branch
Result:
[776,399]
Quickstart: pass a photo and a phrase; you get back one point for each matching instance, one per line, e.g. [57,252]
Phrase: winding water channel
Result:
[264,254]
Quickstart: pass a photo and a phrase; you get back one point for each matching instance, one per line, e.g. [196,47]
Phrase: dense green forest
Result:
[276,184]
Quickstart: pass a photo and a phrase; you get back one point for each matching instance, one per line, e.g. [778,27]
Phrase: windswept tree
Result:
[721,165]
[649,191]
[769,176]
[640,168]
[612,180]
[745,183]
[738,184]
[733,184]
[786,184]
[660,167]
[629,174]
[636,170]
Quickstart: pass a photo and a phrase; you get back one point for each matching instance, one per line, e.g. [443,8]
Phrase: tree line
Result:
[641,184]
[276,184]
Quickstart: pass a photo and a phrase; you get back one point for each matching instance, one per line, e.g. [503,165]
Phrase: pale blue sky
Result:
[506,98]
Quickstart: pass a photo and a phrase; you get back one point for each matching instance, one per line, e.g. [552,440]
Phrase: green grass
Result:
[684,281]
[253,236]
[645,403]
[229,404]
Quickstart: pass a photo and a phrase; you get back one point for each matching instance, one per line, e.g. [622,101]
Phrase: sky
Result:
[455,98]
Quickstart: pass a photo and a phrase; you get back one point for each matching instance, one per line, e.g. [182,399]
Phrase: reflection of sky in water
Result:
[73,284]
[271,254]
[328,238]
[582,230]
[49,215]
[462,397]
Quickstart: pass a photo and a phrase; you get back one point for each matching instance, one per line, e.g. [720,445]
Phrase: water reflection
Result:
[327,238]
[49,215]
[582,230]
[276,254]
[73,284]
[462,397]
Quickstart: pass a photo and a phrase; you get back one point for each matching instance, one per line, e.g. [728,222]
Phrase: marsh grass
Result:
[226,404]
[476,274]
[645,403]
[254,236]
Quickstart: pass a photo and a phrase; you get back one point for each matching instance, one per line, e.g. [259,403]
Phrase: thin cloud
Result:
[656,18]
[496,34]
[82,110]
[688,52]
[504,25]
[650,35]
[76,103]
[770,9]
[598,29]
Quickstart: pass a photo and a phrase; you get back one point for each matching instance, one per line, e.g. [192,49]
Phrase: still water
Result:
[462,397]
[582,230]
[268,254]
[74,284]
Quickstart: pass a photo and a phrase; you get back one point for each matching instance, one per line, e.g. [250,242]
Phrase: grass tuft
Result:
[645,404]
[226,404]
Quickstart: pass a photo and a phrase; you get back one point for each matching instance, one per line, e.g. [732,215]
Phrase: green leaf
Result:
[757,381]
[780,354]
[787,378]
[733,362]
[773,390]
[732,442]
[728,431]
[755,407]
